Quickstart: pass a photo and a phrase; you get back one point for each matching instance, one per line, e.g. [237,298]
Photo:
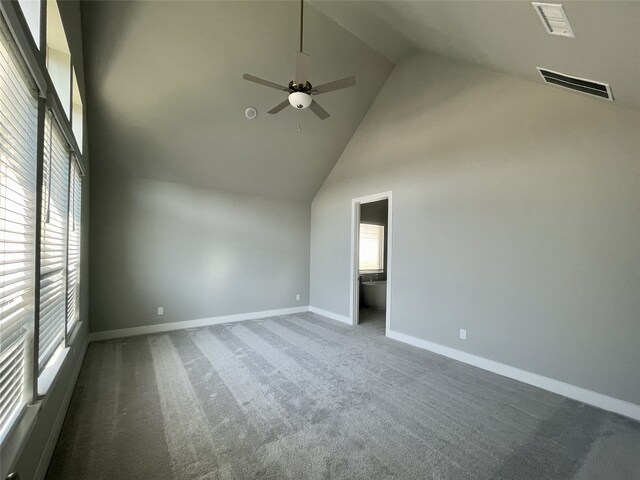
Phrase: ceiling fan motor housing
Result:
[298,87]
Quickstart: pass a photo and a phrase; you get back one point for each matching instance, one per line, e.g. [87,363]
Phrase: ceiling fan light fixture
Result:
[300,100]
[299,89]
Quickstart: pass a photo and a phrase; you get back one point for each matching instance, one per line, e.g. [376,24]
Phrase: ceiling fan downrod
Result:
[301,23]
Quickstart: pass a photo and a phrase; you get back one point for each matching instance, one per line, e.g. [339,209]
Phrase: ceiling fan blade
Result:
[302,68]
[266,83]
[318,110]
[336,85]
[279,107]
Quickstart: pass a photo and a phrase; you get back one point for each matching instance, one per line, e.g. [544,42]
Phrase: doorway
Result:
[371,261]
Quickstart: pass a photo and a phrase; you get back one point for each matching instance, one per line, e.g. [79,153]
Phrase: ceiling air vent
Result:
[579,84]
[554,19]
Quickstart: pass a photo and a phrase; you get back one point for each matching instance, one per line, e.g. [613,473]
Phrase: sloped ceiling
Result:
[507,36]
[166,100]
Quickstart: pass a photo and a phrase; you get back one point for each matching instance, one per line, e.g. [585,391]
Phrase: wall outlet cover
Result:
[160,310]
[463,334]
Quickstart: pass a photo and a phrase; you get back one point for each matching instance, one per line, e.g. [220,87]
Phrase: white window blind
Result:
[73,254]
[371,258]
[18,145]
[53,241]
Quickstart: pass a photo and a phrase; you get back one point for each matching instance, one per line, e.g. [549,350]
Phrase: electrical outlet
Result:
[160,310]
[298,297]
[463,334]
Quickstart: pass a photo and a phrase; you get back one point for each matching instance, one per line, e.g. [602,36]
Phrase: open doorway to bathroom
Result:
[371,262]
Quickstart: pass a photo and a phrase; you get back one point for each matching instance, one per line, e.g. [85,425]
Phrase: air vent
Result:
[589,87]
[554,19]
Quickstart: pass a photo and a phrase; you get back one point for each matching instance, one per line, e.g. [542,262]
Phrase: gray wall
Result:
[197,252]
[197,209]
[515,216]
[40,443]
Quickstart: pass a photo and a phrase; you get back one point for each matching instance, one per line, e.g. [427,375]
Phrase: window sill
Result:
[48,375]
[71,338]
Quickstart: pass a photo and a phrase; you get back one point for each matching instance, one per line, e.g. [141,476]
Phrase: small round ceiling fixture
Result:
[251,113]
[300,100]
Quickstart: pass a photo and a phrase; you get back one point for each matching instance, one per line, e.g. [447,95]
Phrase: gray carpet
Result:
[303,397]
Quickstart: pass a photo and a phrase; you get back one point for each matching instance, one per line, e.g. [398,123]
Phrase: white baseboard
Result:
[203,322]
[580,394]
[331,315]
[45,458]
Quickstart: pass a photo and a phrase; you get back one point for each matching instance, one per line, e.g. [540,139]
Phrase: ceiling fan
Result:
[300,90]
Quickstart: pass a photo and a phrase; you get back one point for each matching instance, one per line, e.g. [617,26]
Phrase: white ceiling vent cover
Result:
[554,19]
[598,89]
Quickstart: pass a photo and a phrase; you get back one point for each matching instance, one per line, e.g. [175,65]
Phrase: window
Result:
[35,139]
[18,164]
[371,258]
[73,252]
[31,11]
[53,241]
[58,56]
[77,113]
